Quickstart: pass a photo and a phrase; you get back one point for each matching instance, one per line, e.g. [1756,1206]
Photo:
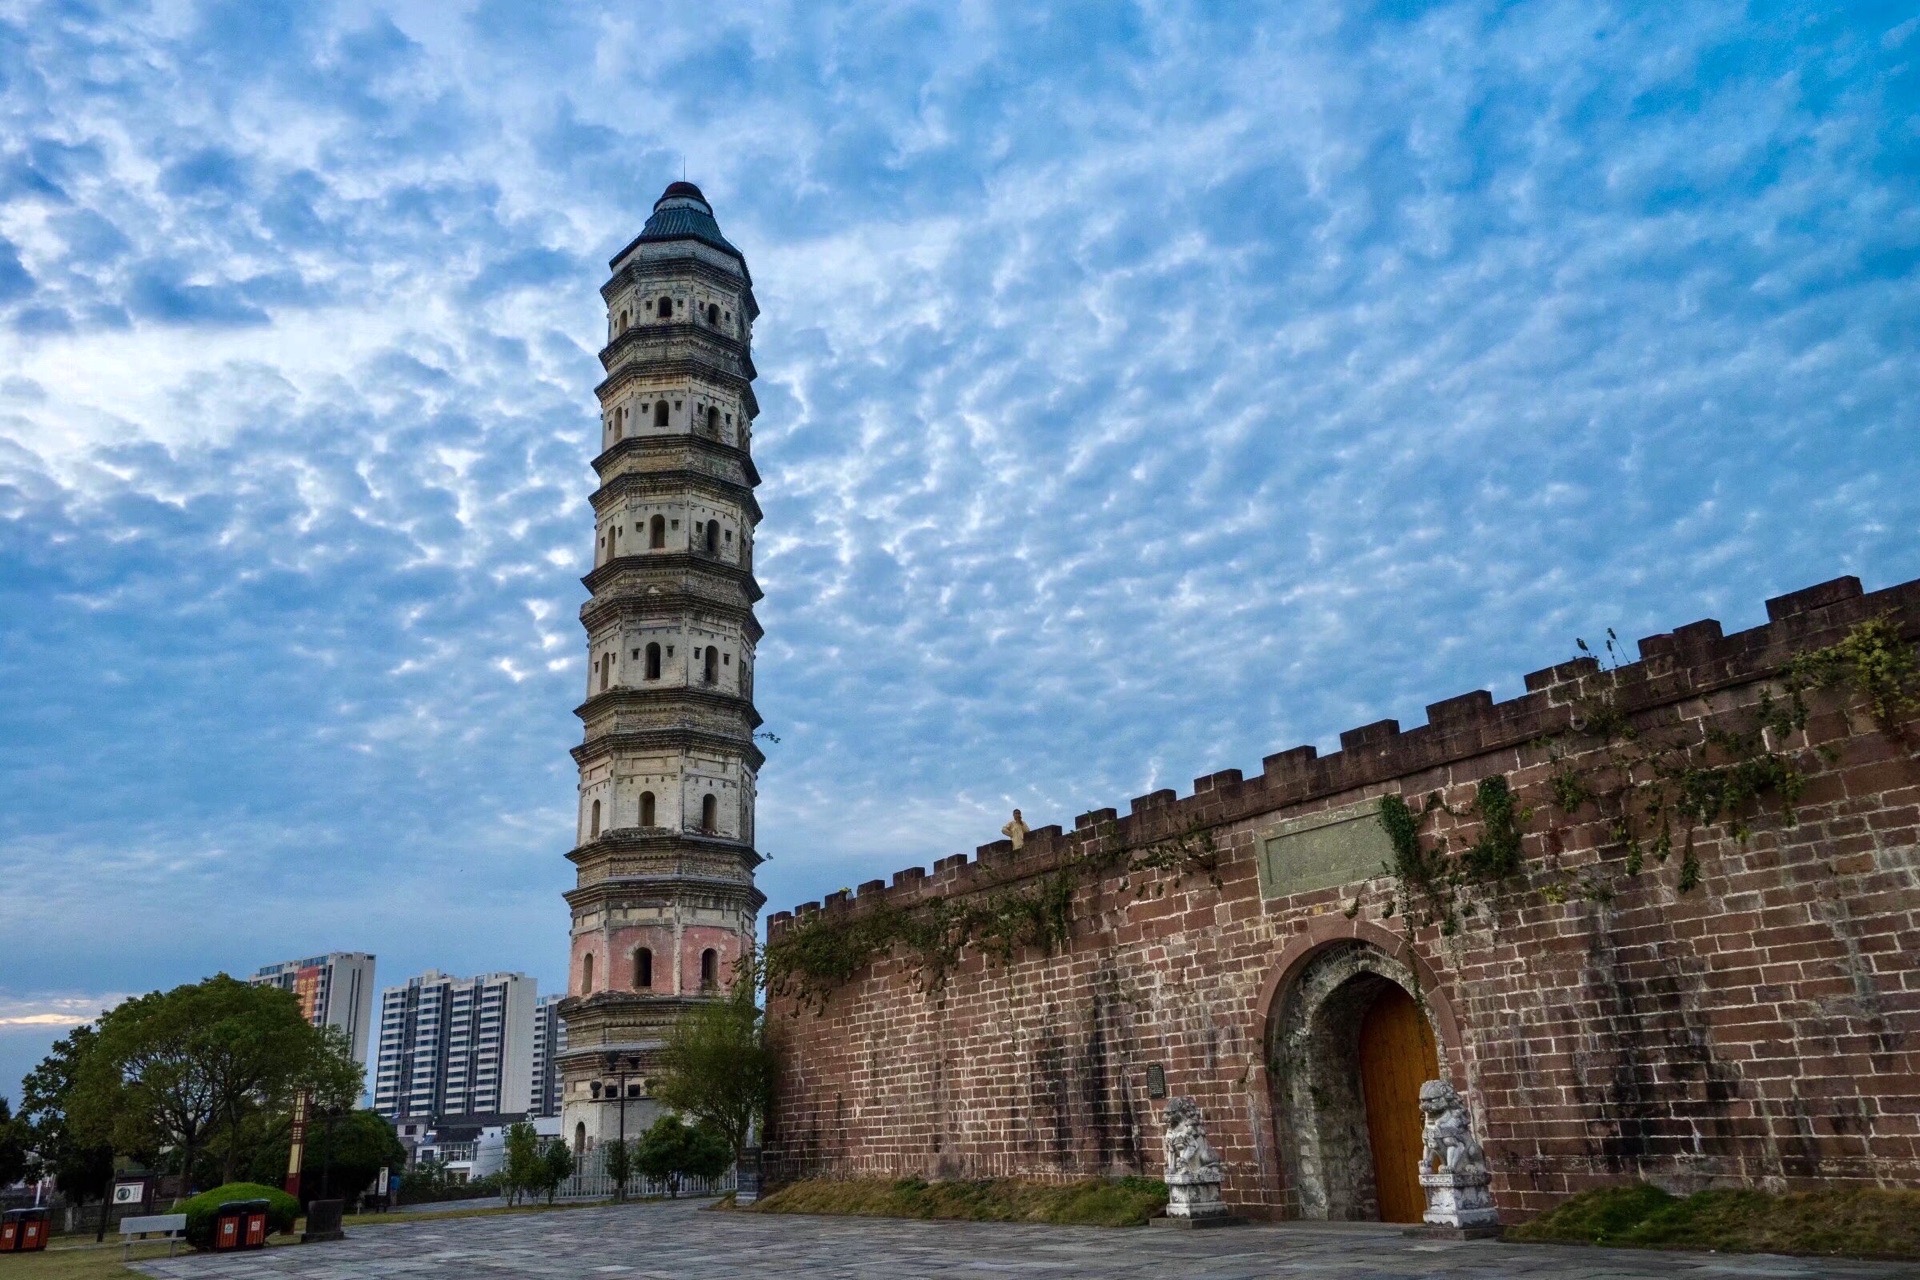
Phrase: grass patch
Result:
[1099,1202]
[77,1257]
[437,1214]
[1854,1222]
[88,1261]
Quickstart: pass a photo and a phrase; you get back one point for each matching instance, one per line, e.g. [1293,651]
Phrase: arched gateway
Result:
[1349,1040]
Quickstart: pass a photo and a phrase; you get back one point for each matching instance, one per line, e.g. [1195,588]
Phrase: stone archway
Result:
[1314,1072]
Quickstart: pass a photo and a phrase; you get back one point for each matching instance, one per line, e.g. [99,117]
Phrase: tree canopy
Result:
[83,1169]
[13,1146]
[169,1069]
[671,1148]
[343,1154]
[524,1169]
[618,1166]
[719,1065]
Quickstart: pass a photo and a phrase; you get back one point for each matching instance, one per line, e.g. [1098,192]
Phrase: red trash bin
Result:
[24,1230]
[256,1233]
[229,1226]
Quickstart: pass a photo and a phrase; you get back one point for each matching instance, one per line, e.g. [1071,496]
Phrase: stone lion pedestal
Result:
[1194,1172]
[1453,1170]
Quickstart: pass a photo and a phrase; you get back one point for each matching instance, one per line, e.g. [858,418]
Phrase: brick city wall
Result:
[1763,1028]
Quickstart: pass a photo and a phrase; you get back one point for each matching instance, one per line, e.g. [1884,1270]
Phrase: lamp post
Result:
[625,1064]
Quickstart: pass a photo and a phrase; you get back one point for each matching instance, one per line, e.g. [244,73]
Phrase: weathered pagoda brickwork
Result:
[665,902]
[1759,1027]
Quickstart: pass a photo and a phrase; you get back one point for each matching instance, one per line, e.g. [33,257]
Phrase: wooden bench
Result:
[170,1225]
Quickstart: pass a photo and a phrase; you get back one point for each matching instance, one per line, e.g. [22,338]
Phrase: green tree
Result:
[171,1068]
[342,1158]
[619,1167]
[708,1153]
[523,1169]
[662,1150]
[556,1166]
[13,1146]
[429,1174]
[83,1169]
[719,1065]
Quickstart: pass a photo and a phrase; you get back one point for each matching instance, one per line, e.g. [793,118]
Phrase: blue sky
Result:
[1146,390]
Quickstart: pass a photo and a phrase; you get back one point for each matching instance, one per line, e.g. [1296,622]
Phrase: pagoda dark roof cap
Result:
[682,213]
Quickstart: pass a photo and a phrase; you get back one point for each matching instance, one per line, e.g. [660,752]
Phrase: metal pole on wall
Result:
[297,1145]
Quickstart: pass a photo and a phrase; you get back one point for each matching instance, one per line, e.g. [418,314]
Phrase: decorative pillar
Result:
[296,1145]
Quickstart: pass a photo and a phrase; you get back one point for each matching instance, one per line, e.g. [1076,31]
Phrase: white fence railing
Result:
[590,1182]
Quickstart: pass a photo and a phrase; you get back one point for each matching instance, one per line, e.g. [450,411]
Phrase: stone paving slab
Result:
[669,1241]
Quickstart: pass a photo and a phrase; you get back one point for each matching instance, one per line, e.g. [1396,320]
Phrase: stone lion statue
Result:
[1449,1144]
[1187,1149]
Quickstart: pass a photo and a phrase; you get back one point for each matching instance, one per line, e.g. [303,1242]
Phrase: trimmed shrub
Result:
[201,1211]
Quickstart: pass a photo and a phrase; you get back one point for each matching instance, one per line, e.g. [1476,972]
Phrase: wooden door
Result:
[1396,1056]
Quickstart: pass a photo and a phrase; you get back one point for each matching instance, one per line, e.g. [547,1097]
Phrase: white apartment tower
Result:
[549,1041]
[664,903]
[334,990]
[455,1047]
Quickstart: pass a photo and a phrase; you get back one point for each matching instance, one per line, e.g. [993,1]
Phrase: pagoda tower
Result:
[664,903]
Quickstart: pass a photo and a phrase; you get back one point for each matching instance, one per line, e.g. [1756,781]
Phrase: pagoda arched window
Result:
[709,814]
[653,661]
[657,532]
[646,809]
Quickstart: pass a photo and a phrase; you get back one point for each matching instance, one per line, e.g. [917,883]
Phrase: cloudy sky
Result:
[1145,390]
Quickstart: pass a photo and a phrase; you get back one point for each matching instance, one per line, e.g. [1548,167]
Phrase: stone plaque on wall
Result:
[1327,849]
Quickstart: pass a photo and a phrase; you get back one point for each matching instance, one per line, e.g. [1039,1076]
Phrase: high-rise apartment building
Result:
[456,1046]
[549,1040]
[333,990]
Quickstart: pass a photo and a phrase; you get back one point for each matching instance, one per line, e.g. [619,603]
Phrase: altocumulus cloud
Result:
[1146,389]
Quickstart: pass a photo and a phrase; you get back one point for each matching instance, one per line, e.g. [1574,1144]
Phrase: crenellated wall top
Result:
[1673,666]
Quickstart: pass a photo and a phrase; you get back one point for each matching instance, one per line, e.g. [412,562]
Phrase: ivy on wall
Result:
[1656,788]
[823,950]
[1429,878]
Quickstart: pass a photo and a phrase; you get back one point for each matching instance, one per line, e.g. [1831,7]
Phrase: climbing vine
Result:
[1430,877]
[818,952]
[1872,663]
[1655,788]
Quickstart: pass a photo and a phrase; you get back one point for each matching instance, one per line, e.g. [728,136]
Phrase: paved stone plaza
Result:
[678,1242]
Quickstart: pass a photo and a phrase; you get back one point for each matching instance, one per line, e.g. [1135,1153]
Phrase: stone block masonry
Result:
[1759,1028]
